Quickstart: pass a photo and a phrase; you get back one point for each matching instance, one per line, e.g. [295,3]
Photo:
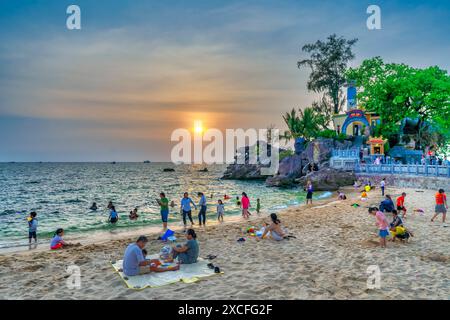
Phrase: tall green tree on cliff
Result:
[397,91]
[328,62]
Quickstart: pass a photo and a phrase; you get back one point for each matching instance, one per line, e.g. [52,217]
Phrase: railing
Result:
[345,153]
[403,169]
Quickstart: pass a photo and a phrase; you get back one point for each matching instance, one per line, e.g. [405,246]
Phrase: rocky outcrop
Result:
[328,179]
[290,168]
[243,172]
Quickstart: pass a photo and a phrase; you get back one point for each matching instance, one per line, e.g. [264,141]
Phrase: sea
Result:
[62,193]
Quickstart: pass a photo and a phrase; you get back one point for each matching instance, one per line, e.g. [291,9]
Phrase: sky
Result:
[138,70]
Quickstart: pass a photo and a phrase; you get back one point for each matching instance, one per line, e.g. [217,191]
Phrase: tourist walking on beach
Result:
[202,212]
[441,205]
[32,227]
[245,202]
[164,209]
[220,210]
[382,223]
[401,204]
[382,185]
[186,208]
[309,192]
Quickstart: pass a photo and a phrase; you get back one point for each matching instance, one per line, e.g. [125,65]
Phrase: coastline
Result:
[328,259]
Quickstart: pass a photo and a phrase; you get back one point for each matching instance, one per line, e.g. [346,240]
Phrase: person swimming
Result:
[133,214]
[94,207]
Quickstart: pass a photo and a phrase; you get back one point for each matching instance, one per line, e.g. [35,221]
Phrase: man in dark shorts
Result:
[441,205]
[401,204]
[309,192]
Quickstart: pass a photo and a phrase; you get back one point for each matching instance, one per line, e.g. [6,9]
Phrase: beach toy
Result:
[367,188]
[29,219]
[165,253]
[259,233]
[172,238]
[167,234]
[251,230]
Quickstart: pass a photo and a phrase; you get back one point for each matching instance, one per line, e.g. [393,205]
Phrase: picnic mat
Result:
[188,273]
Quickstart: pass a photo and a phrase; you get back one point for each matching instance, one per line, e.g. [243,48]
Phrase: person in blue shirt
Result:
[186,208]
[32,227]
[387,205]
[202,212]
[113,215]
[135,263]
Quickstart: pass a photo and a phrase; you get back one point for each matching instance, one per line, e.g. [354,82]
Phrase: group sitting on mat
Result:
[135,262]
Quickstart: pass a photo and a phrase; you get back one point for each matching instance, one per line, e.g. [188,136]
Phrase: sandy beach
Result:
[334,245]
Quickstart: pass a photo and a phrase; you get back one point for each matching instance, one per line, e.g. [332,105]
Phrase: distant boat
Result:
[113,162]
[168,170]
[147,161]
[203,170]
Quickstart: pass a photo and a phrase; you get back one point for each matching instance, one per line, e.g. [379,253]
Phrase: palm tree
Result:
[305,124]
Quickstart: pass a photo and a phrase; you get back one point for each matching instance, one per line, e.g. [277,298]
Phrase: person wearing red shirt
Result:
[401,204]
[441,205]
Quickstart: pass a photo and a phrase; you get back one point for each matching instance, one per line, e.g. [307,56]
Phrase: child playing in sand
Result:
[258,205]
[57,240]
[382,223]
[32,227]
[220,210]
[401,204]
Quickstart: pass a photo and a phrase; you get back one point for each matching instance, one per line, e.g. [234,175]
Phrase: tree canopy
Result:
[398,91]
[328,62]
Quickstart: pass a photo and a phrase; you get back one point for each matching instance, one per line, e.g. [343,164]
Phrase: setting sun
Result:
[198,126]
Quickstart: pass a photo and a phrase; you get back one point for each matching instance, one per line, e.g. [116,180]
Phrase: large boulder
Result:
[290,168]
[328,179]
[243,172]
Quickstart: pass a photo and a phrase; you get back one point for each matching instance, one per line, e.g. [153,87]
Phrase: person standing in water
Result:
[164,209]
[113,215]
[186,208]
[32,227]
[245,202]
[220,210]
[258,205]
[309,192]
[202,212]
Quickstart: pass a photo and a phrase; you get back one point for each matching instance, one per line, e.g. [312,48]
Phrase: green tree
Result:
[328,62]
[304,123]
[397,91]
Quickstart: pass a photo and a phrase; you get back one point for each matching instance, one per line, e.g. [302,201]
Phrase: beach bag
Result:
[167,234]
